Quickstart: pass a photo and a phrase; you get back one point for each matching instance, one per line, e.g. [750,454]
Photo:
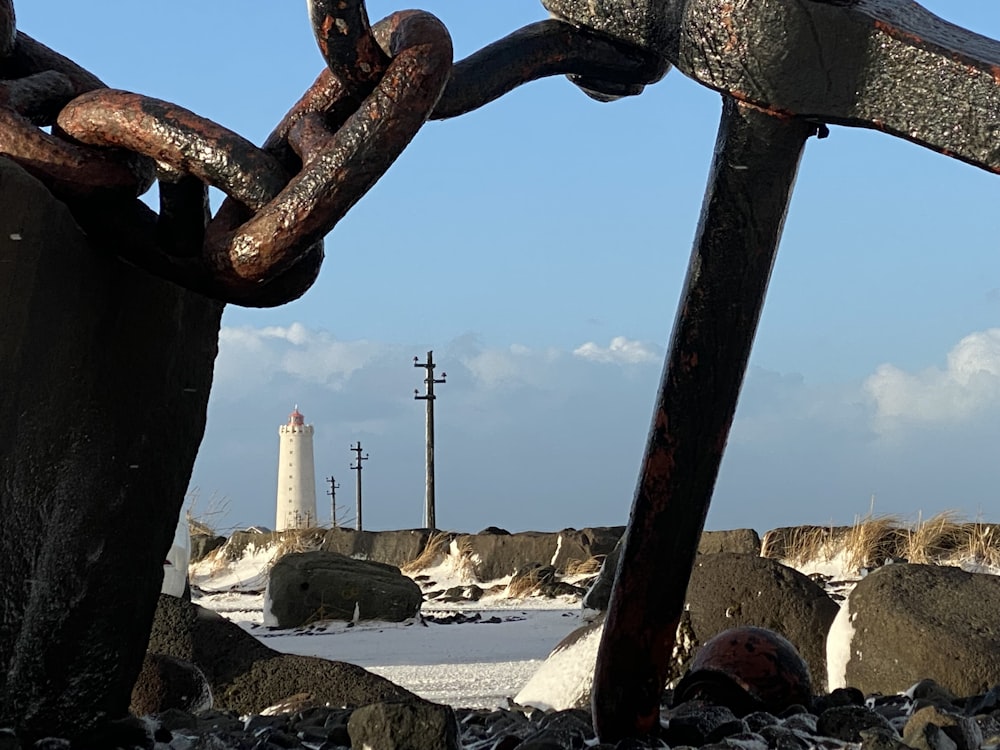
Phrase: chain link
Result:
[264,246]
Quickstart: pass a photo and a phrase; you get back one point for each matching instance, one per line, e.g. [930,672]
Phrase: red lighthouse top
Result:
[296,418]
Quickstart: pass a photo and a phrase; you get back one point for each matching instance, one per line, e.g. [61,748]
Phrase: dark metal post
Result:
[430,520]
[357,467]
[332,492]
[756,158]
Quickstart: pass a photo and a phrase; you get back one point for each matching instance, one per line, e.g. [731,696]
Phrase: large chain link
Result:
[264,246]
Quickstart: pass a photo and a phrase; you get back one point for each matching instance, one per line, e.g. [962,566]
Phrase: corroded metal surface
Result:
[174,135]
[543,49]
[68,169]
[346,42]
[884,64]
[340,171]
[755,162]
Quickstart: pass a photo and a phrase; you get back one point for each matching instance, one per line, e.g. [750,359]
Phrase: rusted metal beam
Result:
[751,180]
[543,49]
[884,64]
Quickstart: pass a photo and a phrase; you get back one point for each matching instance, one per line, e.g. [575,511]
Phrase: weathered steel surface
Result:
[884,64]
[69,169]
[178,137]
[755,162]
[542,49]
[646,24]
[30,57]
[274,226]
[353,157]
[346,42]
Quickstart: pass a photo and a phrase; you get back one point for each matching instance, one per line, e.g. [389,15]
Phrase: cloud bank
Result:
[546,438]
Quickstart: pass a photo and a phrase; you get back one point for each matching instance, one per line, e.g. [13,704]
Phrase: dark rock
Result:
[925,621]
[783,738]
[697,724]
[754,721]
[930,737]
[167,682]
[390,547]
[963,731]
[879,738]
[500,555]
[840,697]
[405,725]
[739,741]
[728,590]
[847,722]
[984,703]
[245,675]
[8,740]
[204,544]
[307,587]
[740,541]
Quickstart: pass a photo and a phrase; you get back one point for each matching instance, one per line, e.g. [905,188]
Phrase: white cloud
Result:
[969,384]
[250,358]
[514,366]
[620,351]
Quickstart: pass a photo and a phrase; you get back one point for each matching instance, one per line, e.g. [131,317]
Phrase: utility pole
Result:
[357,468]
[332,492]
[430,522]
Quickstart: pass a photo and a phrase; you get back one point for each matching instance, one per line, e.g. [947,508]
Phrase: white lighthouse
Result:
[296,475]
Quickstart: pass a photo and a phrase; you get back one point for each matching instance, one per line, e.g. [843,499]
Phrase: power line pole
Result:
[332,492]
[357,468]
[430,522]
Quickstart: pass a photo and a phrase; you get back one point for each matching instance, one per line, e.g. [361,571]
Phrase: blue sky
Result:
[538,246]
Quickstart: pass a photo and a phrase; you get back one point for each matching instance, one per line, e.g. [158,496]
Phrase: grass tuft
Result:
[588,567]
[873,539]
[436,549]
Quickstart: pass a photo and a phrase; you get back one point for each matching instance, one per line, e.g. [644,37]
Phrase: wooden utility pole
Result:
[430,522]
[332,492]
[357,468]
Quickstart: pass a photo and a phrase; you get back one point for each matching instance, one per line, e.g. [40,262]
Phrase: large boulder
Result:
[246,676]
[496,556]
[911,622]
[389,547]
[202,545]
[726,590]
[306,587]
[742,541]
[167,682]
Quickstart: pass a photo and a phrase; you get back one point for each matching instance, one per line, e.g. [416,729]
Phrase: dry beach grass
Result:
[942,539]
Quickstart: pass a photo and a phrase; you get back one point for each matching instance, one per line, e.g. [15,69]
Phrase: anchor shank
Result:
[756,158]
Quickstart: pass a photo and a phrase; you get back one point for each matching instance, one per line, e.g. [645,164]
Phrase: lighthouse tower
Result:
[296,475]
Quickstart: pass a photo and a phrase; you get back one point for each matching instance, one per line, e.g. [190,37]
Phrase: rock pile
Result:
[926,717]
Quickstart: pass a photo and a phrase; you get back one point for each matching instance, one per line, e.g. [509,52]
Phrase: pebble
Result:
[924,719]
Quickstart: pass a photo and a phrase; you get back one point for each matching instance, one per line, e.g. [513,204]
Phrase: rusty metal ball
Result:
[747,669]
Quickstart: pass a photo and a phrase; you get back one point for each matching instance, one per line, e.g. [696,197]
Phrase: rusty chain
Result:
[264,246]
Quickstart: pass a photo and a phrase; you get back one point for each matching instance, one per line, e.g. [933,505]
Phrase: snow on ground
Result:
[478,664]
